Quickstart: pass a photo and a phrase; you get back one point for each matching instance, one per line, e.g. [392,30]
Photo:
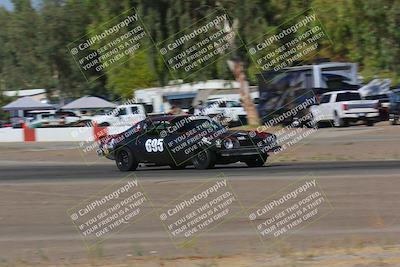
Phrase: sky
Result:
[8,5]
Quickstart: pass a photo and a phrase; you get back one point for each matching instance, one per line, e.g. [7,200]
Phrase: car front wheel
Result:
[369,123]
[204,160]
[255,162]
[125,160]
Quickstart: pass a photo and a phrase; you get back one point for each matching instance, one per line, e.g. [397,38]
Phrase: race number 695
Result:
[154,145]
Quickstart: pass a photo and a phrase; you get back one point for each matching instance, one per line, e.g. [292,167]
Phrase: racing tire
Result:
[339,122]
[205,159]
[255,162]
[369,123]
[125,160]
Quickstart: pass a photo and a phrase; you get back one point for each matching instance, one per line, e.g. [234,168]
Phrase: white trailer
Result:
[181,94]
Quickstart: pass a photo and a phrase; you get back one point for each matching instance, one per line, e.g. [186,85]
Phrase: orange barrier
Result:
[29,133]
[98,132]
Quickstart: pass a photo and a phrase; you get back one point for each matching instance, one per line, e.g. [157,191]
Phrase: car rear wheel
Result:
[255,162]
[125,160]
[204,160]
[339,122]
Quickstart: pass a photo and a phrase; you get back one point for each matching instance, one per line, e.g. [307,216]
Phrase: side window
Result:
[234,105]
[185,127]
[121,112]
[134,110]
[153,128]
[157,127]
[325,99]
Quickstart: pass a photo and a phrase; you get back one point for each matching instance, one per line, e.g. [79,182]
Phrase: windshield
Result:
[233,104]
[200,124]
[212,104]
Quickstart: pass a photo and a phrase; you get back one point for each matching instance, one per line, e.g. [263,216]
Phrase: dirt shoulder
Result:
[358,256]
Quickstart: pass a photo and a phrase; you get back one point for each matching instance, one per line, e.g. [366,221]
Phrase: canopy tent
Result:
[89,102]
[27,103]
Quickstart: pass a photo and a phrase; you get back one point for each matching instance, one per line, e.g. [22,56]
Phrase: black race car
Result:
[179,141]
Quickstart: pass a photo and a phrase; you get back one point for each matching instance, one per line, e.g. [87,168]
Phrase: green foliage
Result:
[364,31]
[135,73]
[4,100]
[34,42]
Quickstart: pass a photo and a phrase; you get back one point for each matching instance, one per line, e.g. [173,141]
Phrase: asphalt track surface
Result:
[62,172]
[35,197]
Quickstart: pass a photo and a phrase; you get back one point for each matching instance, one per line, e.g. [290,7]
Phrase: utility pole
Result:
[237,67]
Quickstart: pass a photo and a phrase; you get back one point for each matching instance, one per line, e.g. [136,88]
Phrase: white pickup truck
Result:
[229,109]
[123,115]
[343,107]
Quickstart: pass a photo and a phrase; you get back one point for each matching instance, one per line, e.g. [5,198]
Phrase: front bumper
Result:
[246,151]
[101,152]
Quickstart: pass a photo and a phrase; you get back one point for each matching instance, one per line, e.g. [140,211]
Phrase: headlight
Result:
[218,143]
[228,144]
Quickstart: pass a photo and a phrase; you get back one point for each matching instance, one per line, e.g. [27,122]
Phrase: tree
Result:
[23,64]
[135,73]
[61,23]
[34,41]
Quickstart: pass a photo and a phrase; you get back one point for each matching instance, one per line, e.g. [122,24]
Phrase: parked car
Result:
[50,118]
[394,111]
[229,111]
[384,105]
[343,107]
[123,115]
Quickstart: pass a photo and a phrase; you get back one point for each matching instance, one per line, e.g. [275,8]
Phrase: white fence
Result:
[11,135]
[64,134]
